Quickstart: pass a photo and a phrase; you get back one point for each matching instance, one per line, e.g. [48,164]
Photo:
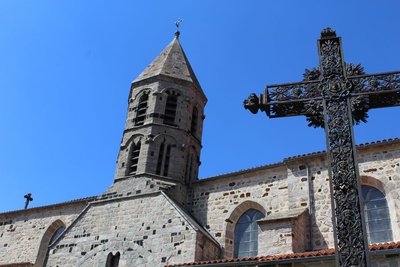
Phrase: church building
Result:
[158,213]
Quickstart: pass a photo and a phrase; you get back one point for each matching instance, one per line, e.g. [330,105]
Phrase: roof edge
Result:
[65,203]
[316,154]
[165,78]
[375,249]
[190,220]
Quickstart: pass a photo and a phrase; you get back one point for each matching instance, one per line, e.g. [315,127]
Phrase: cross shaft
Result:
[28,199]
[335,96]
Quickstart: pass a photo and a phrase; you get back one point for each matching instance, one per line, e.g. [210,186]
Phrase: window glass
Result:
[377,218]
[56,234]
[246,234]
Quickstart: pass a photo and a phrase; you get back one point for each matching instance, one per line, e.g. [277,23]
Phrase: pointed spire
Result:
[171,62]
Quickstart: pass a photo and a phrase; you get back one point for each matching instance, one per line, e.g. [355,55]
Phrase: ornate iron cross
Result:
[335,96]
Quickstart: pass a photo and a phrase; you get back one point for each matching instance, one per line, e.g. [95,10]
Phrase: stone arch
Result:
[137,96]
[231,223]
[45,242]
[134,138]
[159,138]
[371,181]
[172,90]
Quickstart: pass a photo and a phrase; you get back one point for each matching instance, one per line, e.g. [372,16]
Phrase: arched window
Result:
[113,260]
[141,110]
[53,238]
[57,234]
[377,218]
[170,108]
[193,127]
[163,159]
[246,234]
[133,158]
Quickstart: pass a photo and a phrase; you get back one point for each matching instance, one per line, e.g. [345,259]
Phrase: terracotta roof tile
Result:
[270,258]
[317,153]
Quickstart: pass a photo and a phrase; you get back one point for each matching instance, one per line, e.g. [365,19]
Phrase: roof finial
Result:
[177,23]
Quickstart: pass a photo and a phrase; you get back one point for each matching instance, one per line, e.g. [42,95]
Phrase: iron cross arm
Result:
[377,90]
[366,91]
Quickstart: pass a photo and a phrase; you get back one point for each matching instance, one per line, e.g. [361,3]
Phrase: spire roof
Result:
[171,62]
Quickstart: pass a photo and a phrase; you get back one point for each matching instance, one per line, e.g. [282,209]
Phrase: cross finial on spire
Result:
[177,23]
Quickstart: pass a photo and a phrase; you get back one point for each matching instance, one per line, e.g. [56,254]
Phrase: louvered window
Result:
[141,110]
[170,109]
[133,159]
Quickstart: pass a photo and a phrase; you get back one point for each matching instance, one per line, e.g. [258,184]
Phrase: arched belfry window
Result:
[113,260]
[193,128]
[133,158]
[170,108]
[163,159]
[141,109]
[377,218]
[246,234]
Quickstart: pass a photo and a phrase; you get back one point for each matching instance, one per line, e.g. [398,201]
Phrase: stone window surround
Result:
[374,182]
[143,99]
[231,223]
[44,243]
[243,207]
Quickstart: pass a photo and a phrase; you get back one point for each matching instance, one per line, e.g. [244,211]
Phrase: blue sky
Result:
[66,68]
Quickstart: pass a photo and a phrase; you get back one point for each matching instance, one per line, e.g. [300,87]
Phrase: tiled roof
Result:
[291,256]
[85,199]
[312,154]
[318,153]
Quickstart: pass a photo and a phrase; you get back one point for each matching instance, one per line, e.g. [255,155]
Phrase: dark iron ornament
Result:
[335,96]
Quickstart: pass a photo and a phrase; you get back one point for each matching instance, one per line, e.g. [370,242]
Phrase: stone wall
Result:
[145,229]
[22,232]
[205,248]
[217,202]
[296,183]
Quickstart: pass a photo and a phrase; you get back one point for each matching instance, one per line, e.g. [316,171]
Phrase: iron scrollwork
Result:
[335,96]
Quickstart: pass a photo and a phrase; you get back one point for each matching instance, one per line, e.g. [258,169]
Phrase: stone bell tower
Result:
[162,135]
